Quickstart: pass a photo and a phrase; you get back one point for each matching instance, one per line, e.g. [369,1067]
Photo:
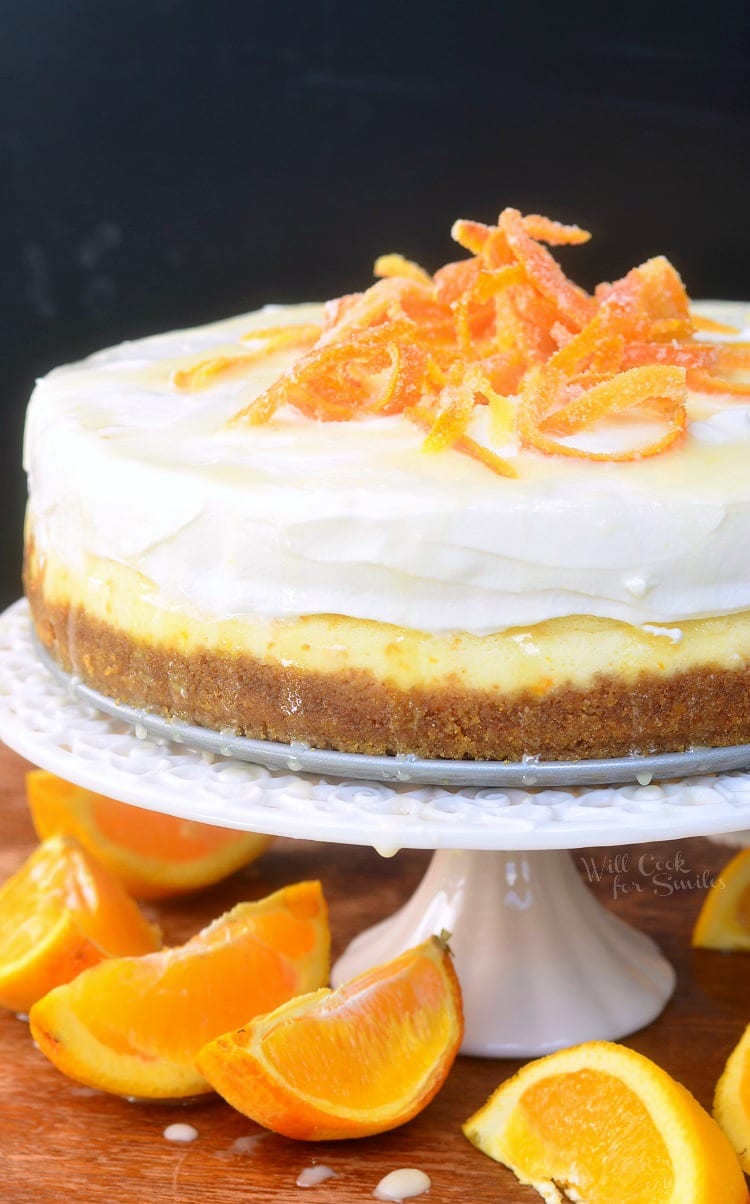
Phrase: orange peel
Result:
[298,334]
[711,326]
[476,451]
[394,264]
[274,338]
[574,305]
[733,356]
[705,382]
[630,388]
[556,234]
[510,311]
[660,385]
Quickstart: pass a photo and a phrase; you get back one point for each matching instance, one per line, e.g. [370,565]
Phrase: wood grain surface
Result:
[59,1141]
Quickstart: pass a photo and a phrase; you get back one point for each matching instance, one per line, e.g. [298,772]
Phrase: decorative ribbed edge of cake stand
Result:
[43,721]
[541,963]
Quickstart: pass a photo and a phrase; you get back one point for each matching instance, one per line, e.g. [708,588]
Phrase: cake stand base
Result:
[541,964]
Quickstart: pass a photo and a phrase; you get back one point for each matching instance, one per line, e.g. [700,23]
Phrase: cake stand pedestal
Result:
[541,963]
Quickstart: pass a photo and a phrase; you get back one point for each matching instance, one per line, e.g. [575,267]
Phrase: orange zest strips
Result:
[274,338]
[704,382]
[503,323]
[300,334]
[711,326]
[484,455]
[205,372]
[669,353]
[539,410]
[572,302]
[490,283]
[543,229]
[397,265]
[470,235]
[733,356]
[620,392]
[451,420]
[463,443]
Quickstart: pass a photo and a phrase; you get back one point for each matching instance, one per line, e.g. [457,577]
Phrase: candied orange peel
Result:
[271,338]
[503,326]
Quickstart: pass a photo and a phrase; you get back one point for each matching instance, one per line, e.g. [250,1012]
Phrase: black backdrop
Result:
[166,162]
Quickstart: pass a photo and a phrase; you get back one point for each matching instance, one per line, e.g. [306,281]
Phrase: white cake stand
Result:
[541,964]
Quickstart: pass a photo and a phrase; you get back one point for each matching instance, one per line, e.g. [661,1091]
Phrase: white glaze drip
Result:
[403,1184]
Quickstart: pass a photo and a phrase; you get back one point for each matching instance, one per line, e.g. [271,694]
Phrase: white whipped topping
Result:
[300,517]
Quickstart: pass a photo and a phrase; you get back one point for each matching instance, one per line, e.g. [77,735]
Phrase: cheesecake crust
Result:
[352,710]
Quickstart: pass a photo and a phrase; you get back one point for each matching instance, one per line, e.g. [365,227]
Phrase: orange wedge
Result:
[602,1123]
[154,856]
[132,1026]
[351,1062]
[724,919]
[59,913]
[732,1100]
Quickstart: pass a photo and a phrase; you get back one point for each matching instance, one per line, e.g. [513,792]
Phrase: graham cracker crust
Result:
[353,711]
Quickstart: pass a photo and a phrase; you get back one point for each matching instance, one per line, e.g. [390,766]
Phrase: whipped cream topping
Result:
[300,517]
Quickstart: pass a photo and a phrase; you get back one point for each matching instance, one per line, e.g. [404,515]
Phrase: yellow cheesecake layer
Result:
[314,680]
[565,652]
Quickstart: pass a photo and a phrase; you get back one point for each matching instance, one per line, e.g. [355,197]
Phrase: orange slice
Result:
[132,1026]
[724,920]
[351,1062]
[59,913]
[732,1100]
[601,1123]
[154,856]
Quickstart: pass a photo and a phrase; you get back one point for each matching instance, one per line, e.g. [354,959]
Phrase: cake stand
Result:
[541,963]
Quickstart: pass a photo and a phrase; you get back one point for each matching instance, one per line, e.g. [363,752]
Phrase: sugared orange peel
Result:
[505,323]
[711,326]
[397,265]
[659,387]
[272,338]
[706,382]
[544,273]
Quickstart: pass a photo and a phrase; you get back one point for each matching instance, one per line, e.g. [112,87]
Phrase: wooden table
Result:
[59,1141]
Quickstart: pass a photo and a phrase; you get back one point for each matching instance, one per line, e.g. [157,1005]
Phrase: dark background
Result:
[166,162]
